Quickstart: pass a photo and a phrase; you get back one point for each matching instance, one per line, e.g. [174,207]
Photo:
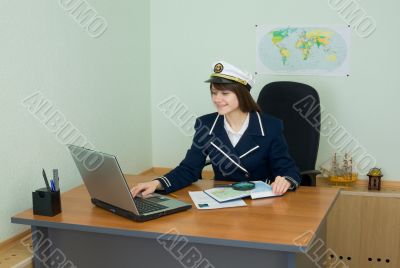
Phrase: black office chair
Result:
[301,122]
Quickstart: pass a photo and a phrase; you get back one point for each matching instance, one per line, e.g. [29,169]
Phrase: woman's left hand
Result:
[280,185]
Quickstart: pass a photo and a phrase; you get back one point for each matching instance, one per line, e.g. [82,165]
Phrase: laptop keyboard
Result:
[145,206]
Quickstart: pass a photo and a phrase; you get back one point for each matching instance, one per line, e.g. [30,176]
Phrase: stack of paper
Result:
[204,201]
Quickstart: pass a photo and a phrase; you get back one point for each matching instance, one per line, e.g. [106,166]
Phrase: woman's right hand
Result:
[146,188]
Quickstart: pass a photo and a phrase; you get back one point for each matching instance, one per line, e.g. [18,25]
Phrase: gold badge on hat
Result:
[218,68]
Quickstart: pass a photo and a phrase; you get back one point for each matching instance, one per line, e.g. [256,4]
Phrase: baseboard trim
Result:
[148,171]
[11,241]
[158,171]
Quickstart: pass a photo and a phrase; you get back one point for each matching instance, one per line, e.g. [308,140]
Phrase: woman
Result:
[242,143]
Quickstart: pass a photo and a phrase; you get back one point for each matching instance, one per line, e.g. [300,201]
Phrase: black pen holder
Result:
[45,202]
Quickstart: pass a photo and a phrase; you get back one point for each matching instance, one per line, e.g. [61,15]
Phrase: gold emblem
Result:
[218,68]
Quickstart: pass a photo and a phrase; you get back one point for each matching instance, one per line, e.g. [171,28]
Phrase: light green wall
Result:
[101,85]
[187,36]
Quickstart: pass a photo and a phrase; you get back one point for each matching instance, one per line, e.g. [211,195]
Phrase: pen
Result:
[53,187]
[45,180]
[56,179]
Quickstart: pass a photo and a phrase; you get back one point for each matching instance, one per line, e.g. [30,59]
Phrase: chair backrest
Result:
[297,105]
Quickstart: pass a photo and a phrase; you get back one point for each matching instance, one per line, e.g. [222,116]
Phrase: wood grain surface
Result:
[278,220]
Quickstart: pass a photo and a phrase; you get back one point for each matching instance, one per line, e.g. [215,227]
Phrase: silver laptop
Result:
[108,189]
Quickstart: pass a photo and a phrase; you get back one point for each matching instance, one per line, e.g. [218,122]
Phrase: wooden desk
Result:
[266,233]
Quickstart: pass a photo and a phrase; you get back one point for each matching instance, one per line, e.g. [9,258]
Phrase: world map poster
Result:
[305,50]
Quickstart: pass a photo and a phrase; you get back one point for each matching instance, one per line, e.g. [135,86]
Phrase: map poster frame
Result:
[303,50]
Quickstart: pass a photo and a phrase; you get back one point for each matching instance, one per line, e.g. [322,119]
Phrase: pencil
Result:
[173,195]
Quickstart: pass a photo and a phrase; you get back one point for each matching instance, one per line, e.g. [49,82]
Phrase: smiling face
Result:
[232,97]
[224,100]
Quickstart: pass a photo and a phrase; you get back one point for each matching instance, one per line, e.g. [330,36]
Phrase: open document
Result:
[204,201]
[223,194]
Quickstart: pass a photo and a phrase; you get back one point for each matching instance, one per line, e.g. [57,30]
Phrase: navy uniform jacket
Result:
[260,154]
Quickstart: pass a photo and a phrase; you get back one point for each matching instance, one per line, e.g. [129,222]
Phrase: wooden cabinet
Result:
[363,229]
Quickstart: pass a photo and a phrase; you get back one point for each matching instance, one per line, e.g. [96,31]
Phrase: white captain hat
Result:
[226,73]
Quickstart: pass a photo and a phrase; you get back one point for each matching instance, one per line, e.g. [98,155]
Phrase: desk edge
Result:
[153,235]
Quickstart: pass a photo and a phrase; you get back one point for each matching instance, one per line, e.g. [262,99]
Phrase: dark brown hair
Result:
[246,101]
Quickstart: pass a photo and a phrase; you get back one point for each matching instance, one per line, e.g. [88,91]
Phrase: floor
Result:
[16,255]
